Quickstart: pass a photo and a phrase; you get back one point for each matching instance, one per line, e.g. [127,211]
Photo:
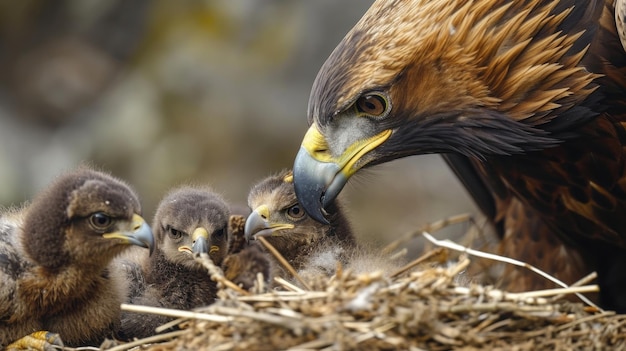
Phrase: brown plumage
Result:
[245,260]
[188,220]
[56,254]
[526,99]
[620,20]
[279,218]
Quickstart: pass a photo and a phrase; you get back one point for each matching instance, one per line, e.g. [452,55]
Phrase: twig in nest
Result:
[525,297]
[283,261]
[276,296]
[586,279]
[583,320]
[290,323]
[175,313]
[454,246]
[399,254]
[461,265]
[260,282]
[426,257]
[287,285]
[430,227]
[311,345]
[170,324]
[148,340]
[216,273]
[496,307]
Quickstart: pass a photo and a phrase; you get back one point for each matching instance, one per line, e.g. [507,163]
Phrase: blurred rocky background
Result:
[168,92]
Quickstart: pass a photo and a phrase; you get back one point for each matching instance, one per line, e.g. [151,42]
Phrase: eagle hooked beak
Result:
[319,176]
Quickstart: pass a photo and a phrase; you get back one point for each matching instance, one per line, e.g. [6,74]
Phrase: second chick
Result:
[188,220]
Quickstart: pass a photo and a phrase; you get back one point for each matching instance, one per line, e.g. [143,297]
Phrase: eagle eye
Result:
[100,220]
[295,212]
[372,105]
[219,233]
[175,234]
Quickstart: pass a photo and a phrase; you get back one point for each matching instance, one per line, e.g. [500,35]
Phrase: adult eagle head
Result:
[526,100]
[482,79]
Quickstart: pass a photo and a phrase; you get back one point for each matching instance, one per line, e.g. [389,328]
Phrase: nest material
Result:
[425,308]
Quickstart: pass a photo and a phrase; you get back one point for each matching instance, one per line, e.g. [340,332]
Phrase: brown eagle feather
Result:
[526,99]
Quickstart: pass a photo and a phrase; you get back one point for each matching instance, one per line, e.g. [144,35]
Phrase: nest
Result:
[422,306]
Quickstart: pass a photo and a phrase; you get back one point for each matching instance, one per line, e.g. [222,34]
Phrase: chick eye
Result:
[100,220]
[219,233]
[295,212]
[174,233]
[374,105]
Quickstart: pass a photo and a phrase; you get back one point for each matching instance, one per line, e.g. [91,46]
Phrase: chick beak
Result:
[200,238]
[138,233]
[258,224]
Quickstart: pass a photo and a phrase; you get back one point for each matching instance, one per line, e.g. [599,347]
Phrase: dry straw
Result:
[421,306]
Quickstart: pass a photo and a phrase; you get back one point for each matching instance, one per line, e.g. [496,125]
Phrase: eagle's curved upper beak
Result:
[316,183]
[319,176]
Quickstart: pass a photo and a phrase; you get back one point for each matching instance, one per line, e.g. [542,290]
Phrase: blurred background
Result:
[167,92]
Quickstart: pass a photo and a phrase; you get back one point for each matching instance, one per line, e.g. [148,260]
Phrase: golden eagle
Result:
[525,99]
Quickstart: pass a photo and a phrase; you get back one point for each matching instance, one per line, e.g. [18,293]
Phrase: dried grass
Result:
[422,306]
